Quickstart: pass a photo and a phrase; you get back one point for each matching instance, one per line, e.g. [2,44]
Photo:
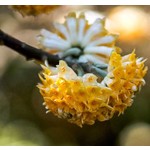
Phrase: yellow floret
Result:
[82,100]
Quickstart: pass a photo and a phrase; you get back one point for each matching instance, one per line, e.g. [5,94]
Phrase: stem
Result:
[26,50]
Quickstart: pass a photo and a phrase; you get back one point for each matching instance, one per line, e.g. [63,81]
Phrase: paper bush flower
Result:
[82,100]
[79,40]
[85,99]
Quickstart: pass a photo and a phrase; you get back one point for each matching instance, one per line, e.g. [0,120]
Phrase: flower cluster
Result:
[79,40]
[84,99]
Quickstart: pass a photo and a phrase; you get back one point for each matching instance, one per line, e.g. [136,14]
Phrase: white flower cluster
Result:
[88,43]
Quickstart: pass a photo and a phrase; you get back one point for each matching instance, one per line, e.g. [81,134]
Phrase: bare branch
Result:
[26,50]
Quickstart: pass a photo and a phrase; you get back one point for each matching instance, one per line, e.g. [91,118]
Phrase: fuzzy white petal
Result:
[95,28]
[72,27]
[47,34]
[104,50]
[53,44]
[104,40]
[65,71]
[51,36]
[81,28]
[92,58]
[62,29]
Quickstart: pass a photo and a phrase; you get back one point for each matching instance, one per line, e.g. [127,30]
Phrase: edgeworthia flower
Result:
[79,40]
[85,99]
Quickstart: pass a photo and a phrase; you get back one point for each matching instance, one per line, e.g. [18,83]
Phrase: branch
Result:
[30,52]
[26,50]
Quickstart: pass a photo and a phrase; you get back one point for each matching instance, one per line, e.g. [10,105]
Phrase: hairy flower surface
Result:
[79,40]
[83,100]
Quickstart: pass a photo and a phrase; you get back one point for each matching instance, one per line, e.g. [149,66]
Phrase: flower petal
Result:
[72,28]
[103,50]
[63,30]
[53,44]
[96,28]
[108,39]
[91,58]
[45,34]
[81,28]
[65,71]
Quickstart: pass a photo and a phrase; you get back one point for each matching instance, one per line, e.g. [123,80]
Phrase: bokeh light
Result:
[130,22]
[136,134]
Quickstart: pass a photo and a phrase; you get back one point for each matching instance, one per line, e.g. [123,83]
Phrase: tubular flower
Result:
[82,99]
[78,40]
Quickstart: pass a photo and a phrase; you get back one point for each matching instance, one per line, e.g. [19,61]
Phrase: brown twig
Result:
[26,50]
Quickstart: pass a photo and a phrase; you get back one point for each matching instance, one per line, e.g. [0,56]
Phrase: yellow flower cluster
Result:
[125,78]
[34,10]
[82,100]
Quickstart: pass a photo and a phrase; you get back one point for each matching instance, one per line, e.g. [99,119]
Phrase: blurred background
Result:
[23,120]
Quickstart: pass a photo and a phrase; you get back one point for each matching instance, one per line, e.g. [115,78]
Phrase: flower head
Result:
[82,100]
[86,98]
[79,40]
